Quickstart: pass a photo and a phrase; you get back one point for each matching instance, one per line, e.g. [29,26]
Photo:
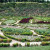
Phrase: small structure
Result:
[26,20]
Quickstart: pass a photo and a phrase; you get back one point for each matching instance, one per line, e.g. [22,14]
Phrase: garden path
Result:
[23,43]
[1,33]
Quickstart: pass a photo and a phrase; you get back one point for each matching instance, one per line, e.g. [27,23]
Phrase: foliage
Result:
[4,44]
[45,43]
[5,40]
[27,44]
[17,31]
[3,37]
[43,32]
[15,45]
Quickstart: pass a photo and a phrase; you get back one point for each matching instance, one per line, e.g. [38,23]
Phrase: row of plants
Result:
[26,44]
[3,37]
[4,44]
[12,31]
[45,32]
[45,43]
[22,40]
[27,40]
[5,40]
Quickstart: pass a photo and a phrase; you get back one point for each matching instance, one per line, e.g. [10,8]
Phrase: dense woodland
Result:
[23,1]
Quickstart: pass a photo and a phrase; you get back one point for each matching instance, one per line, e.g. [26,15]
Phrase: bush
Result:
[42,36]
[15,45]
[45,43]
[5,40]
[1,44]
[20,45]
[6,45]
[3,37]
[38,39]
[27,44]
[3,23]
[26,33]
[46,39]
[34,34]
[23,40]
[1,40]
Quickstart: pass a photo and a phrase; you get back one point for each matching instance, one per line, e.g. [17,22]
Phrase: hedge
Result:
[45,43]
[5,40]
[4,44]
[3,37]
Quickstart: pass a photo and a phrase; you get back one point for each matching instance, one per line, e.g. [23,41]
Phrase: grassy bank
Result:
[27,48]
[25,9]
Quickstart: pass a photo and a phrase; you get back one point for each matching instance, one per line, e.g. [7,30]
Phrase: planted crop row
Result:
[12,31]
[43,32]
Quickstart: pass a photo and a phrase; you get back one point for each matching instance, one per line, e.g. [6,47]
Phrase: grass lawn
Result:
[26,48]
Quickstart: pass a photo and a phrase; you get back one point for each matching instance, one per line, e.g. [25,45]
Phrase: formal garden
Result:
[24,25]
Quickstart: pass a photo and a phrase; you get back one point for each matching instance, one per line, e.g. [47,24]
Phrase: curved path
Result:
[1,33]
[22,43]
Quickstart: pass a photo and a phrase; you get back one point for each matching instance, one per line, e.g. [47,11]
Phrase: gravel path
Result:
[33,32]
[1,33]
[23,43]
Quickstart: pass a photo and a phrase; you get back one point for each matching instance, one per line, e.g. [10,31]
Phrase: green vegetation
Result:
[15,45]
[45,43]
[4,44]
[24,9]
[45,32]
[17,31]
[5,40]
[2,37]
[9,21]
[28,48]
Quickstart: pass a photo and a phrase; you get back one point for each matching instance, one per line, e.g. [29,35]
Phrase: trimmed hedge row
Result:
[4,44]
[3,37]
[5,40]
[23,40]
[12,31]
[45,43]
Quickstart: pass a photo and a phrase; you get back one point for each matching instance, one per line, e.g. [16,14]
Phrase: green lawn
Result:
[27,48]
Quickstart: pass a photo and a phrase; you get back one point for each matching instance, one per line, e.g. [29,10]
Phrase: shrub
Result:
[26,33]
[15,45]
[42,36]
[38,39]
[1,44]
[45,43]
[27,44]
[46,39]
[23,40]
[1,40]
[34,34]
[5,40]
[20,45]
[3,23]
[3,37]
[6,44]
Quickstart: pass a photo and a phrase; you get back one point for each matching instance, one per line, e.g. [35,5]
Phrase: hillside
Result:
[25,9]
